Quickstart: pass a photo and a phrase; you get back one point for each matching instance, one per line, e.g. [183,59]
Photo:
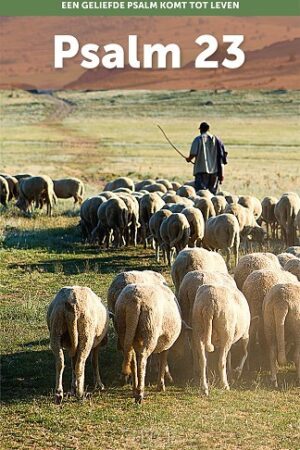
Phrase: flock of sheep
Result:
[259,306]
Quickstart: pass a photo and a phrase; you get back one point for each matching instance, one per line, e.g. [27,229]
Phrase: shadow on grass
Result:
[31,373]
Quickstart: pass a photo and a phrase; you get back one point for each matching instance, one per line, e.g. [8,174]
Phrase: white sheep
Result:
[78,322]
[220,318]
[268,215]
[254,261]
[281,312]
[293,266]
[196,259]
[175,233]
[285,211]
[149,204]
[147,320]
[154,227]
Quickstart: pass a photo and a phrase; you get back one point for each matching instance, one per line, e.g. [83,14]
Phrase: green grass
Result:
[95,136]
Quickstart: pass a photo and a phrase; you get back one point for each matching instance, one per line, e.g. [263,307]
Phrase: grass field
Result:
[96,136]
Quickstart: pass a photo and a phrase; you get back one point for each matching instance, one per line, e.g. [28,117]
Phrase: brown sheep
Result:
[69,187]
[286,211]
[36,189]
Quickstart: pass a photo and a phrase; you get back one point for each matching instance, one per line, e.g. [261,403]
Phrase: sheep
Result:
[12,186]
[281,313]
[4,191]
[230,198]
[223,232]
[133,218]
[108,194]
[147,320]
[219,203]
[19,176]
[220,318]
[69,187]
[196,221]
[186,191]
[268,215]
[78,322]
[154,226]
[254,261]
[195,259]
[112,216]
[204,193]
[38,189]
[175,185]
[175,207]
[141,184]
[122,190]
[149,204]
[252,203]
[285,211]
[156,187]
[255,288]
[173,198]
[118,183]
[249,229]
[283,258]
[174,232]
[190,284]
[131,277]
[294,250]
[293,266]
[206,207]
[165,182]
[88,214]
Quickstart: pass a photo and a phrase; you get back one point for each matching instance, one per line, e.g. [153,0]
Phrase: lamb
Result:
[133,218]
[78,322]
[206,207]
[38,189]
[221,318]
[196,222]
[131,277]
[112,216]
[190,284]
[219,203]
[4,191]
[186,191]
[147,320]
[174,232]
[283,258]
[281,313]
[154,227]
[149,204]
[223,232]
[12,186]
[268,215]
[254,261]
[293,266]
[252,203]
[69,187]
[118,183]
[255,288]
[88,214]
[196,259]
[286,211]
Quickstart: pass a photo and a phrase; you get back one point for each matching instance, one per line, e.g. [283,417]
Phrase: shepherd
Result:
[210,157]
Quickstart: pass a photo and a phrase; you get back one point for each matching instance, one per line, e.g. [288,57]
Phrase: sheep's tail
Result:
[208,315]
[71,321]
[132,319]
[180,235]
[81,190]
[280,316]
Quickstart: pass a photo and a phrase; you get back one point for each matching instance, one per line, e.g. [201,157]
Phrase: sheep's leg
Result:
[163,357]
[134,377]
[60,365]
[141,372]
[73,382]
[144,235]
[168,375]
[134,234]
[157,251]
[229,365]
[273,368]
[238,371]
[82,354]
[202,363]
[227,256]
[95,362]
[169,257]
[222,366]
